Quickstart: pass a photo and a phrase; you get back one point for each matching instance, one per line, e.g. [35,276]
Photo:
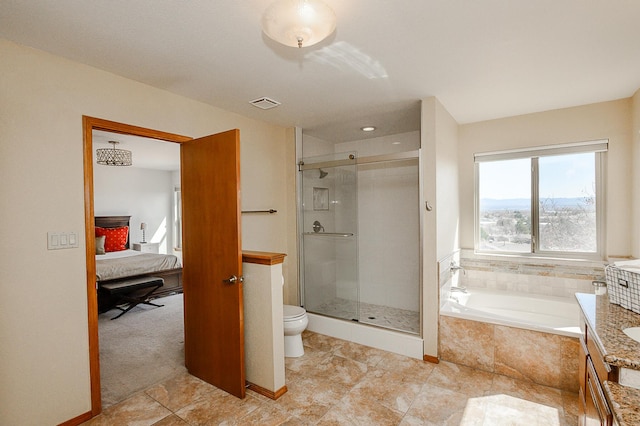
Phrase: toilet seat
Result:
[293,313]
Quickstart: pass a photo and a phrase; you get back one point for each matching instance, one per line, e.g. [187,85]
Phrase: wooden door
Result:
[213,323]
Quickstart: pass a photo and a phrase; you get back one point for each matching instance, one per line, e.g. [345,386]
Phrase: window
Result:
[177,218]
[545,201]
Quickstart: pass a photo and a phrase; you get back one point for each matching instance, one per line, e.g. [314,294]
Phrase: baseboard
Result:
[432,359]
[266,392]
[77,420]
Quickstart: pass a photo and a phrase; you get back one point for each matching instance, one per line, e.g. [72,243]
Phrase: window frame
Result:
[177,220]
[598,147]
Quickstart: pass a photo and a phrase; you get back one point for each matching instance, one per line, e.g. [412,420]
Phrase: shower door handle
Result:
[329,234]
[233,279]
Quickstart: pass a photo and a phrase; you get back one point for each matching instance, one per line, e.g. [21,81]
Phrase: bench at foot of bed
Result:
[129,291]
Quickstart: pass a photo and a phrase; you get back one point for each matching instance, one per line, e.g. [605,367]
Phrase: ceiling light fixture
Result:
[298,23]
[113,156]
[367,128]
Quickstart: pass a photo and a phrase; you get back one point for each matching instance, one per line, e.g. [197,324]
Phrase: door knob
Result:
[233,279]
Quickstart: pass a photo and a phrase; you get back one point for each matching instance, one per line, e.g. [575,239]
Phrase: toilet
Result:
[295,322]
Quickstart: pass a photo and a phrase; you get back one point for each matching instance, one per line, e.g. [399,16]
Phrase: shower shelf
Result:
[329,234]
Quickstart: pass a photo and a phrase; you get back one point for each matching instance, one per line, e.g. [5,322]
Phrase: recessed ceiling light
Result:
[368,129]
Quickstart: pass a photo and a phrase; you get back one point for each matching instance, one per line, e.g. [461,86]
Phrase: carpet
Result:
[141,348]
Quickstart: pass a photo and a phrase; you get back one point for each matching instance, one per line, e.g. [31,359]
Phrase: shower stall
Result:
[360,238]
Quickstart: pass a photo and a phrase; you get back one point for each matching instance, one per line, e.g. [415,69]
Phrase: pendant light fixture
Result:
[298,23]
[113,156]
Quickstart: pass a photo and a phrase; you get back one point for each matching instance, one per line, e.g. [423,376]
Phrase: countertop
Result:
[624,403]
[607,321]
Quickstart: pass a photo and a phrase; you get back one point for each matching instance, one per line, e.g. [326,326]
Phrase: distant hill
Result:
[524,203]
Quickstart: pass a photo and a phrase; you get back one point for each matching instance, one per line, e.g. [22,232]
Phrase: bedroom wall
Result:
[146,195]
[43,309]
[605,120]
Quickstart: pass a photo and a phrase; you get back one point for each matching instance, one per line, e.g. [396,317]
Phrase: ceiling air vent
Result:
[264,103]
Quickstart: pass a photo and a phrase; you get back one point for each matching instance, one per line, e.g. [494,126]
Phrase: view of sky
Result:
[561,176]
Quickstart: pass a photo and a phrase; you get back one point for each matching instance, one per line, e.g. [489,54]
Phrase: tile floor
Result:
[342,383]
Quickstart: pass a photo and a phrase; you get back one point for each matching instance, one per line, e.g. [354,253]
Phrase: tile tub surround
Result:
[509,350]
[562,278]
[338,382]
[542,358]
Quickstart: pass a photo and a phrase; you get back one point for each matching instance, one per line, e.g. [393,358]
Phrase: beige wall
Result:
[448,212]
[635,175]
[606,120]
[43,311]
[290,217]
[440,189]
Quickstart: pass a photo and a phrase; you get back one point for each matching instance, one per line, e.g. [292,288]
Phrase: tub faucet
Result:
[454,267]
[455,288]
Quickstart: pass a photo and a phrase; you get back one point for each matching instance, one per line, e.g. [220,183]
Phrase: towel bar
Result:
[270,211]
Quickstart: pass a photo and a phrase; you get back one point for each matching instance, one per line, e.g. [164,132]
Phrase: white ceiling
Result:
[146,153]
[482,59]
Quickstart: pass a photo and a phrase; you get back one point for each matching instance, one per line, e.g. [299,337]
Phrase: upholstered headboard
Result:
[114,222]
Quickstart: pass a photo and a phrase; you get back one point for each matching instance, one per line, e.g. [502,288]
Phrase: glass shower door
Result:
[329,236]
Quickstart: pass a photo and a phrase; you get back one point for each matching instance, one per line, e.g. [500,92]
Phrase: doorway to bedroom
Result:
[146,344]
[213,309]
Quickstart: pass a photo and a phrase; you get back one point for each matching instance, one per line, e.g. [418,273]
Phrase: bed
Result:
[119,263]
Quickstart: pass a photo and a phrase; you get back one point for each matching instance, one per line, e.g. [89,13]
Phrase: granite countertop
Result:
[608,321]
[624,403]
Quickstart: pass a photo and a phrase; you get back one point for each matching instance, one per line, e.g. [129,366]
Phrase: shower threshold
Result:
[396,319]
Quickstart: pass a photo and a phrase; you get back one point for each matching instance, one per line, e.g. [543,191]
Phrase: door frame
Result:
[89,124]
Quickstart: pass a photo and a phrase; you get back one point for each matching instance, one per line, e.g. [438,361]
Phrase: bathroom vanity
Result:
[609,364]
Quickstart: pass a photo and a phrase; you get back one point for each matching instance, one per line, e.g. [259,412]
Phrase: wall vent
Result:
[264,103]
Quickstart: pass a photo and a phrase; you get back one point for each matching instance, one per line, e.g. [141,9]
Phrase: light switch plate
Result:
[53,240]
[62,240]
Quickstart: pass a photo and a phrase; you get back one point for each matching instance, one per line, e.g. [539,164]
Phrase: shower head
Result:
[323,173]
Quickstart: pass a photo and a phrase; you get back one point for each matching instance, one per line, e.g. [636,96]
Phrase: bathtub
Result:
[549,314]
[520,335]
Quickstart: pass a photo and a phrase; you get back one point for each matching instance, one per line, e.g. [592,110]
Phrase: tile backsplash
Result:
[536,276]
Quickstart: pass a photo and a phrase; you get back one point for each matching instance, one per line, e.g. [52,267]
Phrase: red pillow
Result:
[115,238]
